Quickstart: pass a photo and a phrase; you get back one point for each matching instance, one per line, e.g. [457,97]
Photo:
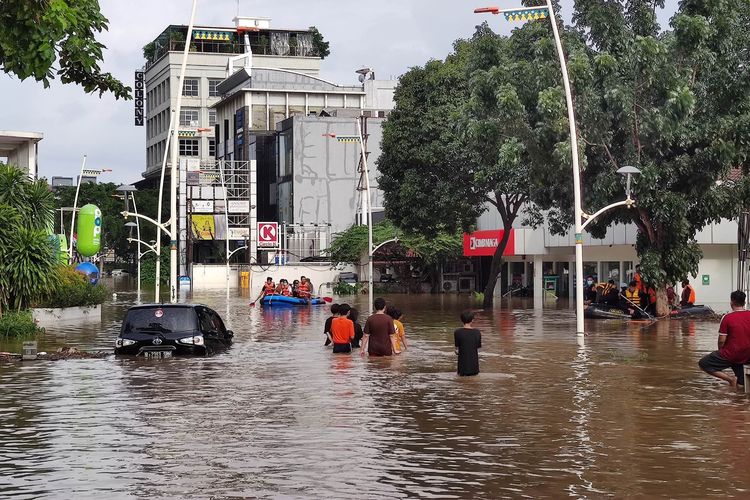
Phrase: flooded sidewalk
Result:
[626,414]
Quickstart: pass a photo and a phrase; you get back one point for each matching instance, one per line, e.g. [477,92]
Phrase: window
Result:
[211,117]
[190,87]
[212,148]
[213,87]
[189,117]
[188,147]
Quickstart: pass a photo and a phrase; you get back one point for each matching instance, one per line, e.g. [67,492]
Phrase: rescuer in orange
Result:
[303,290]
[269,288]
[688,294]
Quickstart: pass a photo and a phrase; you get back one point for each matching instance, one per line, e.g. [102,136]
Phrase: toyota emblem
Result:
[157,341]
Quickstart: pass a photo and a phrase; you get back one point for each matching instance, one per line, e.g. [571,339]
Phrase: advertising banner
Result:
[484,243]
[203,226]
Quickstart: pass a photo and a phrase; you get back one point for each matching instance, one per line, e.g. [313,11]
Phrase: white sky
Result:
[387,35]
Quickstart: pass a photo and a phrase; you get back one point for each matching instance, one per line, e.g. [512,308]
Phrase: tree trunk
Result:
[497,264]
[434,279]
[662,303]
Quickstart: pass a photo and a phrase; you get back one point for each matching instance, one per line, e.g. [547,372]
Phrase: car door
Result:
[218,324]
[208,328]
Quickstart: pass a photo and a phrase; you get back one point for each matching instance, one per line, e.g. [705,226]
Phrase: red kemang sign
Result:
[484,243]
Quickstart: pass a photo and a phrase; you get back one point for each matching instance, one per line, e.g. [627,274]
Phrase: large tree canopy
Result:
[41,38]
[676,104]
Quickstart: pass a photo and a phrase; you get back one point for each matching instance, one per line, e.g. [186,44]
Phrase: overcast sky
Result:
[387,35]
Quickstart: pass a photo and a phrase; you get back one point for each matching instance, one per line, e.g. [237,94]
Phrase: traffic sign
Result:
[268,234]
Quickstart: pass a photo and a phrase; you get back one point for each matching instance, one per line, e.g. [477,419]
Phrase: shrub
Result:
[72,289]
[344,288]
[18,324]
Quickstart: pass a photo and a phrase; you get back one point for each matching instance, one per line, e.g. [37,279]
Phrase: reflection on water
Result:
[626,414]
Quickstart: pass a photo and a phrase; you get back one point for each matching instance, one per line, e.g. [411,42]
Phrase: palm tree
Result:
[27,254]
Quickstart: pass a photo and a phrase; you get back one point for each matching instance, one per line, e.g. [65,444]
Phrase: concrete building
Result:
[60,181]
[545,263]
[211,48]
[20,149]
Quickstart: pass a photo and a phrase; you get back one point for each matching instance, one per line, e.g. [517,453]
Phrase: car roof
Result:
[161,306]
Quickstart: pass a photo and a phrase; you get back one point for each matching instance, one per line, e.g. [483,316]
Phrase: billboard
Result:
[484,243]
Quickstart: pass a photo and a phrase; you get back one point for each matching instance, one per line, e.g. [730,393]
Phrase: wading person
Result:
[399,340]
[733,343]
[354,317]
[342,331]
[467,340]
[379,332]
[329,320]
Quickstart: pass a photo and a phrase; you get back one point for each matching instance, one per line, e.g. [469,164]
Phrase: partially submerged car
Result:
[172,328]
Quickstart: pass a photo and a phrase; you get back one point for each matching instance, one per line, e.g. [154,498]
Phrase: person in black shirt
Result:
[354,316]
[468,340]
[327,327]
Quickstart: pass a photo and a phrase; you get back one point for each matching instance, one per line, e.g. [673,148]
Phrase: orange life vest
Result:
[286,291]
[691,300]
[651,295]
[639,285]
[269,288]
[303,290]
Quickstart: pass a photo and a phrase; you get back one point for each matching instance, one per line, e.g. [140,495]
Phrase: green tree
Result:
[674,103]
[41,38]
[320,44]
[476,131]
[27,255]
[428,251]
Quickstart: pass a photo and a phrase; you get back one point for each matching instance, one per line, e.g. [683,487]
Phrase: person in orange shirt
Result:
[342,331]
[284,289]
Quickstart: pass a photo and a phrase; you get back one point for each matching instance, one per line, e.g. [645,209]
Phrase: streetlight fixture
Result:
[129,189]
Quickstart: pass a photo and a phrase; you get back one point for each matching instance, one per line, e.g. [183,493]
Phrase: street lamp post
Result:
[541,12]
[129,189]
[84,171]
[366,206]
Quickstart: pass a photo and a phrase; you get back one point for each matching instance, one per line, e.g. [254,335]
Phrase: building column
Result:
[253,210]
[538,282]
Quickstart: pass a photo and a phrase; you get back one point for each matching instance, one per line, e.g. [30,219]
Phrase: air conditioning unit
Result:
[450,286]
[466,285]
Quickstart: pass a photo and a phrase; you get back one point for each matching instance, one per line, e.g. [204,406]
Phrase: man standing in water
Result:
[468,341]
[734,344]
[379,332]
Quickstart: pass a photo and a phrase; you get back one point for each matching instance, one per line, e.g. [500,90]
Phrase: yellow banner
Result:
[203,227]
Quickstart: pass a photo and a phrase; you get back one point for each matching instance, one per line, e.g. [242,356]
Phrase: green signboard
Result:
[706,279]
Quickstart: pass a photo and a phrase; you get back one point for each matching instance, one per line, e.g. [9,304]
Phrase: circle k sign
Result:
[268,234]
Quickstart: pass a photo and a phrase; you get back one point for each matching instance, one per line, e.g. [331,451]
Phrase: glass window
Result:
[286,153]
[189,147]
[211,117]
[160,319]
[189,117]
[212,148]
[190,87]
[611,271]
[213,87]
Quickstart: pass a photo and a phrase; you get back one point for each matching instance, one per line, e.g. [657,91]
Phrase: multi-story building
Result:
[210,49]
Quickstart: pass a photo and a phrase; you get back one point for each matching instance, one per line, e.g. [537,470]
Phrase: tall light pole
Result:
[129,189]
[366,203]
[541,12]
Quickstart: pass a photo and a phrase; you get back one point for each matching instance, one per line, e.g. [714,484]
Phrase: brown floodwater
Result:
[277,415]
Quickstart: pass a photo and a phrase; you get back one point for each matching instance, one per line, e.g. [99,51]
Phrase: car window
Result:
[207,324]
[217,322]
[160,319]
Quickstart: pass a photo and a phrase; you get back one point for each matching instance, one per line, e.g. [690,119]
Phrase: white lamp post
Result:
[91,173]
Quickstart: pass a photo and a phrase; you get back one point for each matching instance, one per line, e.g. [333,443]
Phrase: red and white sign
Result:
[484,243]
[268,234]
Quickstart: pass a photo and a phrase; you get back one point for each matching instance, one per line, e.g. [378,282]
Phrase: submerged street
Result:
[277,414]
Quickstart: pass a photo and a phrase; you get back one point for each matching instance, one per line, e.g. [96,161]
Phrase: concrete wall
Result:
[325,178]
[213,276]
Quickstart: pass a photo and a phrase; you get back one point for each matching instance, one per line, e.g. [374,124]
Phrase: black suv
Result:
[176,328]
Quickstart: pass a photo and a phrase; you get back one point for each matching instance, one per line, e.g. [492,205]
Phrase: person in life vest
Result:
[269,288]
[284,289]
[295,288]
[303,290]
[606,293]
[632,298]
[688,294]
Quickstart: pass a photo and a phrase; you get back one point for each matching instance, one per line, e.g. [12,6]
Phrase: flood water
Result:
[277,415]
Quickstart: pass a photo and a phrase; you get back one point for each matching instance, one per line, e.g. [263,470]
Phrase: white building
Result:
[20,149]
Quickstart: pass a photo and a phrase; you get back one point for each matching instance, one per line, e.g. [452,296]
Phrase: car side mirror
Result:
[230,333]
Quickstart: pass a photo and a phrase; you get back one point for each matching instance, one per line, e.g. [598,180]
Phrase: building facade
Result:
[21,149]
